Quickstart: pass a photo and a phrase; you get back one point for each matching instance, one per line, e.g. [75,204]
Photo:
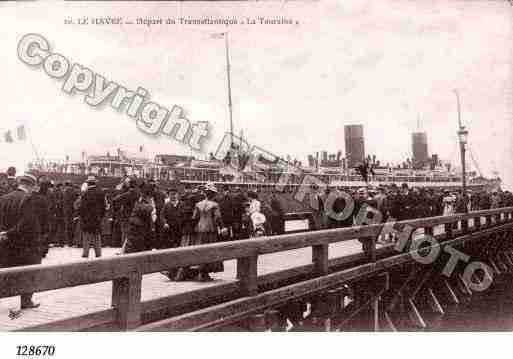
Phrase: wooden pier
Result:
[317,280]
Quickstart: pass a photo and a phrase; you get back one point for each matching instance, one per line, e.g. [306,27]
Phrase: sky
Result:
[389,65]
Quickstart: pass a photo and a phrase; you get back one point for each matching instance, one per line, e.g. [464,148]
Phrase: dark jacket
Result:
[226,206]
[18,217]
[69,197]
[139,227]
[160,198]
[124,203]
[92,210]
[186,209]
[171,215]
[238,201]
[42,204]
[58,203]
[277,220]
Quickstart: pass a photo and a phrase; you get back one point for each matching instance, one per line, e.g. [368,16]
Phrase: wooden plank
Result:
[389,322]
[128,301]
[243,307]
[320,258]
[44,277]
[287,274]
[375,309]
[414,314]
[247,274]
[78,323]
[434,302]
[451,295]
[268,279]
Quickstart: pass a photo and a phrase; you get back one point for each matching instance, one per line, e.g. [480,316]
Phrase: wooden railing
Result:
[250,291]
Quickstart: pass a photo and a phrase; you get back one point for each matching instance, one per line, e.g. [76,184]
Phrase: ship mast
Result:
[227,47]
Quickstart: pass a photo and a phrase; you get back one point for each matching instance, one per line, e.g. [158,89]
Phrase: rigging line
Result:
[474,161]
[455,148]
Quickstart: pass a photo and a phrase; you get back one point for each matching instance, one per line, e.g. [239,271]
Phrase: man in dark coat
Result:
[158,200]
[277,220]
[19,230]
[58,212]
[226,206]
[123,204]
[41,198]
[141,222]
[3,184]
[238,210]
[92,209]
[171,221]
[68,198]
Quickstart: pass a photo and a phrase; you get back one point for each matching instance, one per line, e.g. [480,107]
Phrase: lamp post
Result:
[462,136]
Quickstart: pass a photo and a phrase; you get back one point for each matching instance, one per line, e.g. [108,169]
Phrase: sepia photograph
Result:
[255,166]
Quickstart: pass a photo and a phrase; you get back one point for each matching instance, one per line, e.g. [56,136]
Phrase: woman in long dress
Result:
[209,222]
[141,222]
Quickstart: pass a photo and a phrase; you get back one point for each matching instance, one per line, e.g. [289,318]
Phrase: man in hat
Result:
[238,200]
[408,199]
[123,205]
[58,202]
[158,199]
[277,220]
[19,230]
[317,202]
[226,205]
[69,196]
[91,210]
[41,198]
[171,221]
[12,184]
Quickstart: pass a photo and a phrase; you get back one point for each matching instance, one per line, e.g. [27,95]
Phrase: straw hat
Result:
[210,187]
[27,178]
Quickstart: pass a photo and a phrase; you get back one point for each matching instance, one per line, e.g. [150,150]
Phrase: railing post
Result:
[464,226]
[488,220]
[126,298]
[448,230]
[320,258]
[247,274]
[477,223]
[369,247]
[497,218]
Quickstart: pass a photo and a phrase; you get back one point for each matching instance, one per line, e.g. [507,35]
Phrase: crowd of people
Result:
[37,214]
[403,203]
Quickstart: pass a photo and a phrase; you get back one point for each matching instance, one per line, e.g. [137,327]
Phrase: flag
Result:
[20,133]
